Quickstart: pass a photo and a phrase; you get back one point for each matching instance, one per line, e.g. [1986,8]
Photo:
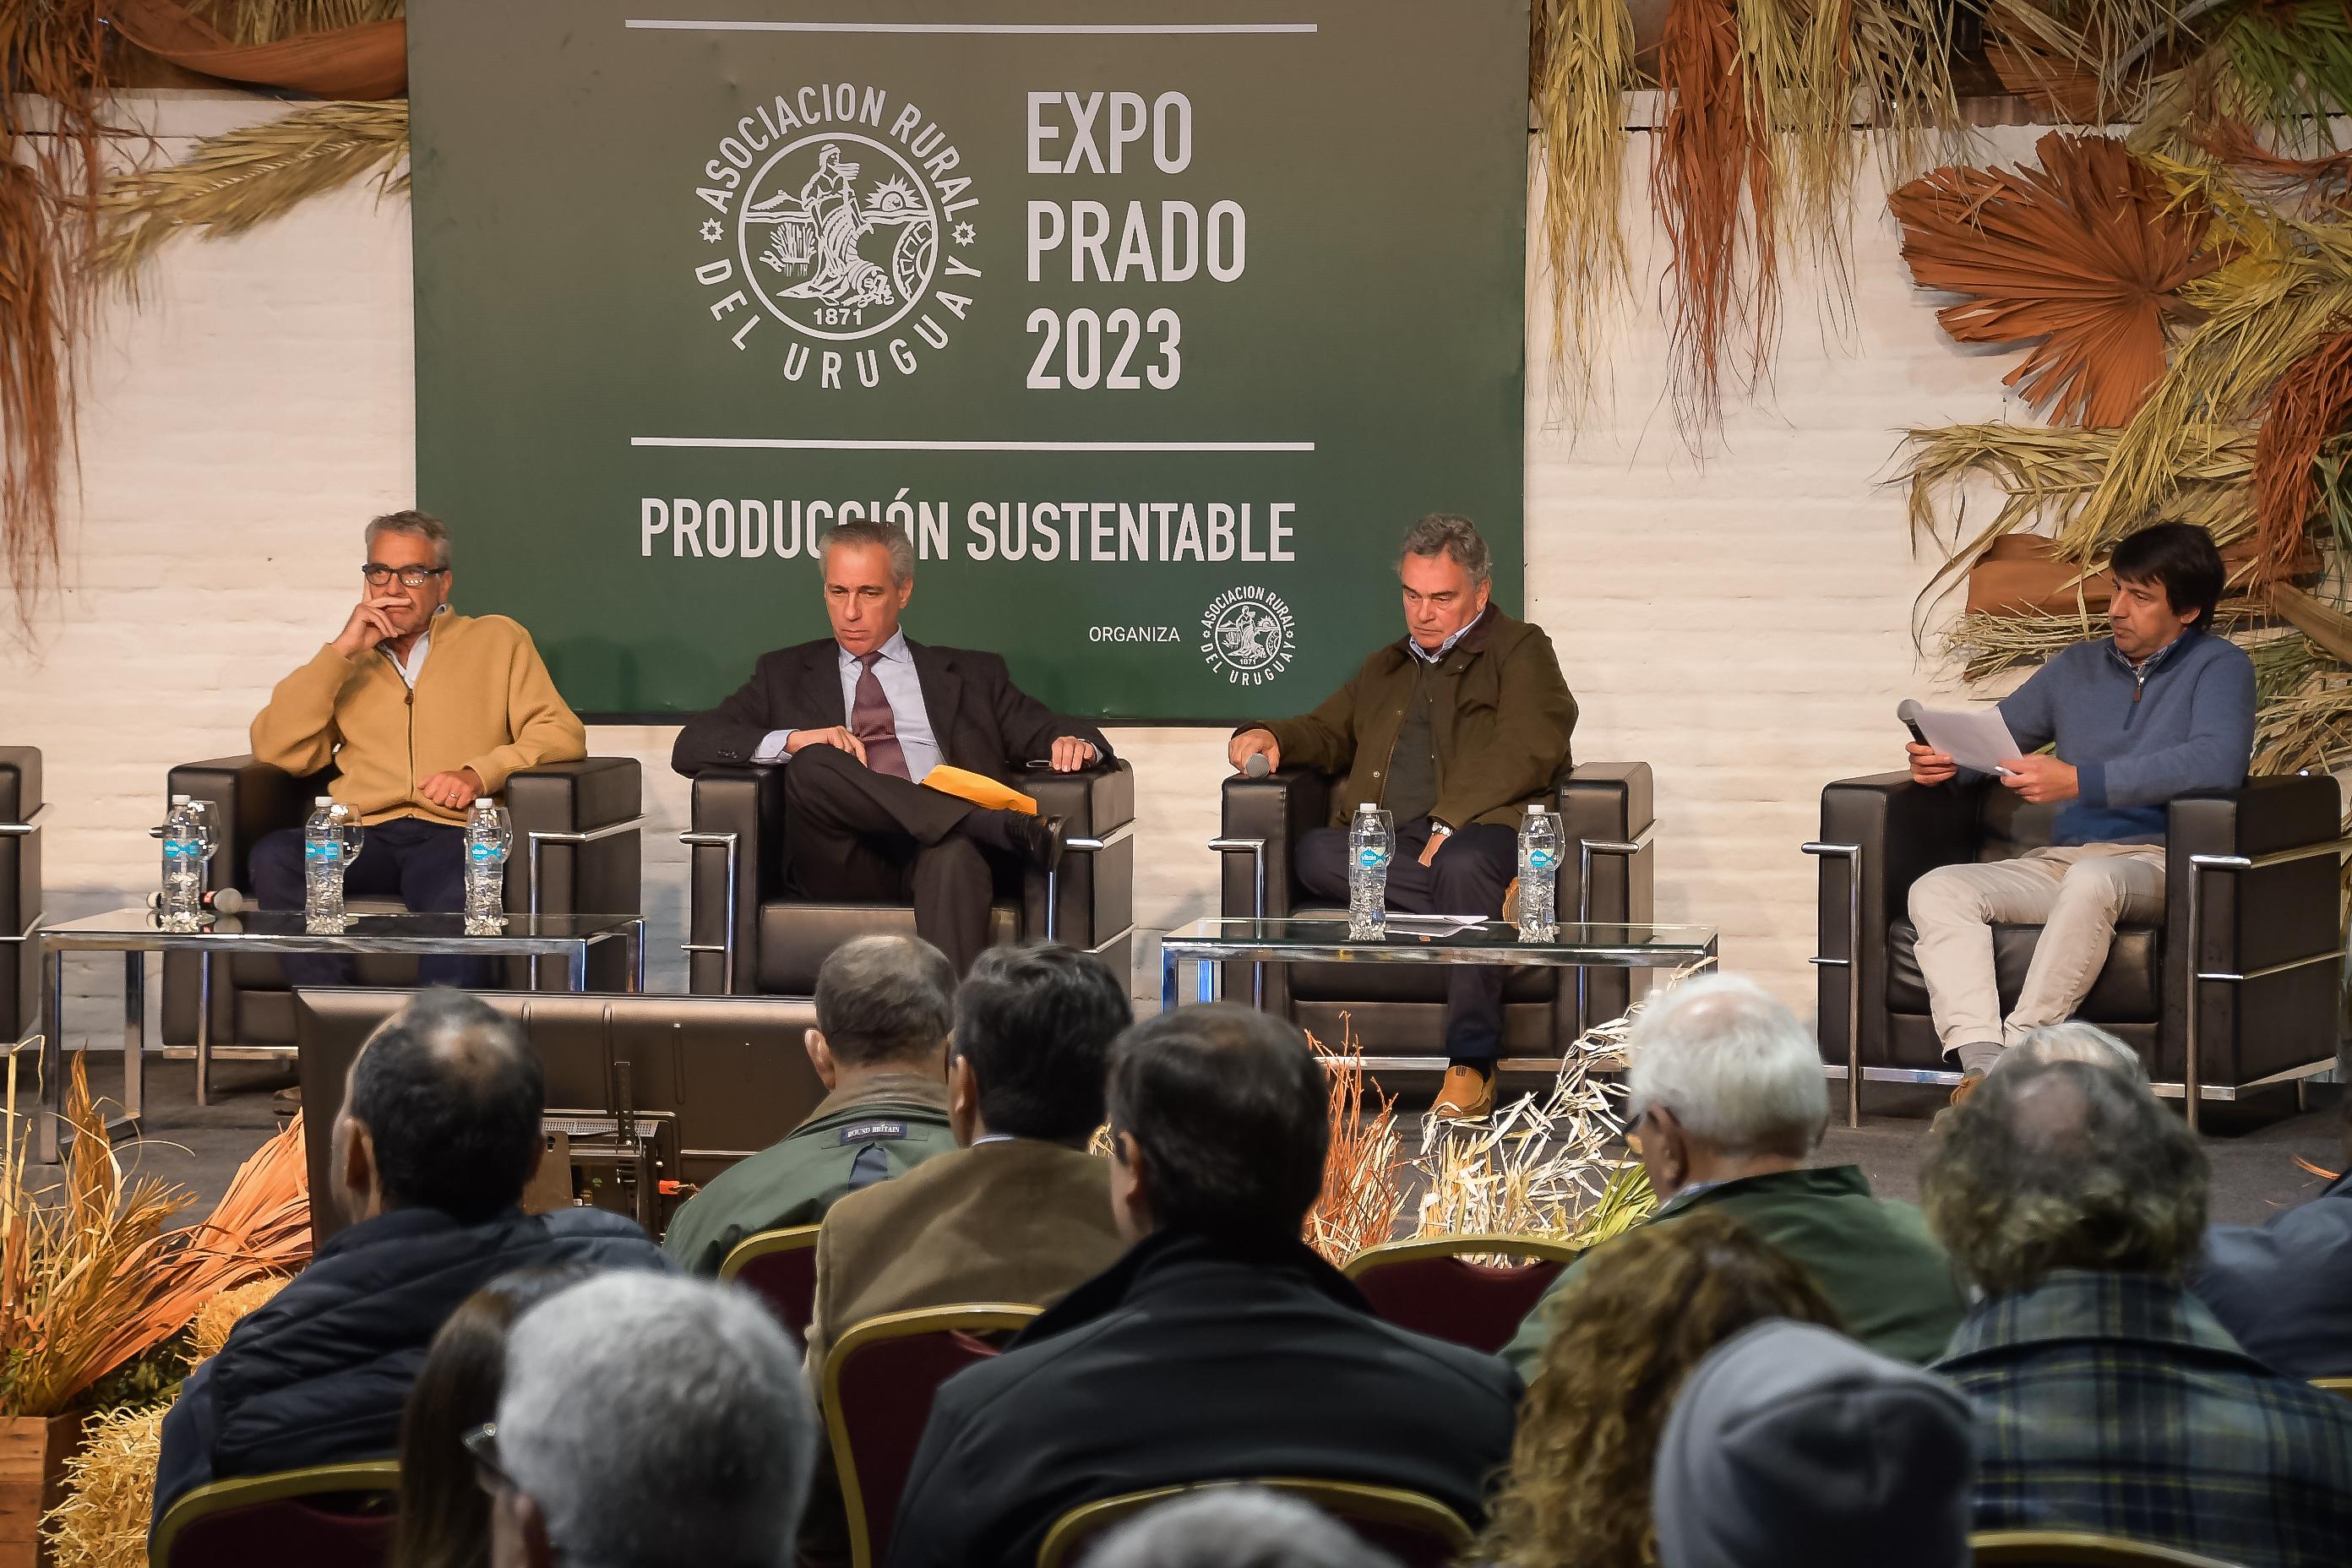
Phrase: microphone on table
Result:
[223,901]
[1256,766]
[1909,711]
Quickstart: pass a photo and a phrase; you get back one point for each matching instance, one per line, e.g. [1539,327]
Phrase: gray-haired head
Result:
[2075,1042]
[1234,1527]
[417,525]
[886,999]
[1443,534]
[1734,1066]
[2064,1165]
[1792,1446]
[890,538]
[658,1422]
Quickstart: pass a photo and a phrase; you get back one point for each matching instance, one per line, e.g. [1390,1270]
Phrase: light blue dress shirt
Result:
[901,689]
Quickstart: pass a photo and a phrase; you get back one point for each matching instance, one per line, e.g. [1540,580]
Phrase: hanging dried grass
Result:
[110,1493]
[2088,254]
[52,78]
[1712,183]
[1582,62]
[1903,60]
[2311,404]
[1362,1196]
[1798,58]
[268,21]
[232,181]
[2288,66]
[1986,646]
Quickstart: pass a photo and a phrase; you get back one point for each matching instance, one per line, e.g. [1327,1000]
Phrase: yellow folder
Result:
[978,789]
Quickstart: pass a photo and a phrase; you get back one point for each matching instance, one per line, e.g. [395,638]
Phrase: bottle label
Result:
[482,854]
[1371,858]
[316,851]
[179,849]
[1541,860]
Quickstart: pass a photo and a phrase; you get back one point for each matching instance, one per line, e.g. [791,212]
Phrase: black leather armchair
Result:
[575,851]
[747,935]
[1397,1011]
[20,890]
[2234,988]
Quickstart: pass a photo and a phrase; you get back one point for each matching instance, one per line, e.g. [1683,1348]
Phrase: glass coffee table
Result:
[1419,939]
[136,932]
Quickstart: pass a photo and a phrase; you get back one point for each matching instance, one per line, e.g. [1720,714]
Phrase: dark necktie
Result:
[871,722]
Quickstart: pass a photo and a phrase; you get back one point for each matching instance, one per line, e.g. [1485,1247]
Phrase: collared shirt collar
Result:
[913,1088]
[2147,666]
[2077,1304]
[1810,1181]
[414,664]
[1432,656]
[894,650]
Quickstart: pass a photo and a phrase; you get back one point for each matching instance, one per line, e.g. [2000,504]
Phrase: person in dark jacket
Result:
[1220,1347]
[1456,729]
[2279,1287]
[439,1136]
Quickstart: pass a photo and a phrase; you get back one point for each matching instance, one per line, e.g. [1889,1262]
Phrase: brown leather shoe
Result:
[1967,1086]
[1467,1095]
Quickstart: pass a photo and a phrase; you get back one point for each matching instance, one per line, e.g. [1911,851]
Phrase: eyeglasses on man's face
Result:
[378,575]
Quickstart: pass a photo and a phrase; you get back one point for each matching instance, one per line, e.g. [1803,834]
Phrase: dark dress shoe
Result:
[1038,839]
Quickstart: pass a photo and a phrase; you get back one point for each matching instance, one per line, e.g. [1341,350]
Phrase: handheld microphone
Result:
[1256,767]
[224,901]
[1909,712]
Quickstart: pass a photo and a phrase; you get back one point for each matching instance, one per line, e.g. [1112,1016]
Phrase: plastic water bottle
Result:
[1371,845]
[487,838]
[1539,841]
[182,903]
[323,863]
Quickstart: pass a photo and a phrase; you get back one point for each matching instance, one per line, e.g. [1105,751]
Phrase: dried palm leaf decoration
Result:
[2086,253]
[1581,62]
[2312,403]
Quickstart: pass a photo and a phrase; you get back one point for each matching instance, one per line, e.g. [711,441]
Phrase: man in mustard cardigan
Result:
[421,711]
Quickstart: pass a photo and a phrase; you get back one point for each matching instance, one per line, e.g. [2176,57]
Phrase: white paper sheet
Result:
[1975,738]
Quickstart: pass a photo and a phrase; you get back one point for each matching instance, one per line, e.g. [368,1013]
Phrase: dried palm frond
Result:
[110,1493]
[1903,59]
[234,181]
[52,83]
[2310,727]
[1582,60]
[2289,66]
[268,21]
[1362,1196]
[1711,181]
[2311,404]
[2079,58]
[2086,253]
[1802,75]
[1990,645]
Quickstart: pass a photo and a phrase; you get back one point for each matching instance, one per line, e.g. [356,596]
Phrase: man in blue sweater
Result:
[2161,709]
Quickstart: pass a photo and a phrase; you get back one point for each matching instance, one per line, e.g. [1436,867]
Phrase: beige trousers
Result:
[2078,893]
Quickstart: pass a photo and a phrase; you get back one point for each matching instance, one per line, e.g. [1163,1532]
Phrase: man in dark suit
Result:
[858,718]
[1221,1347]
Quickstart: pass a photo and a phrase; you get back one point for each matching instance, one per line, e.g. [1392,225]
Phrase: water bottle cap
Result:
[324,800]
[1534,811]
[180,800]
[1370,805]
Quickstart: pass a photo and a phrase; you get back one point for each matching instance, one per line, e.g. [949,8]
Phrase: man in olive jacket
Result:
[884,1006]
[1456,729]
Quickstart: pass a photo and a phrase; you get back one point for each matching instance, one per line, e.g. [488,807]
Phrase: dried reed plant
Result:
[1903,60]
[1712,182]
[110,1493]
[232,181]
[1799,60]
[1363,1196]
[1580,61]
[52,80]
[268,21]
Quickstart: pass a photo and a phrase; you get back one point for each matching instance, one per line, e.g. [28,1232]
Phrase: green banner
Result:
[1154,330]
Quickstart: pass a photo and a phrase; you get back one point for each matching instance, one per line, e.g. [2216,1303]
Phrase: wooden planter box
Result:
[33,1453]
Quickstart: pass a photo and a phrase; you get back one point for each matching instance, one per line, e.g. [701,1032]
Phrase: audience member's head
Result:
[2053,1165]
[1721,1082]
[883,1004]
[441,1111]
[1219,1126]
[2075,1041]
[1792,1447]
[445,1517]
[648,1421]
[1637,1315]
[1033,1028]
[1234,1527]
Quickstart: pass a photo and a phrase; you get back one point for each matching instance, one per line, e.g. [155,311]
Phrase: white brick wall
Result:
[1743,624]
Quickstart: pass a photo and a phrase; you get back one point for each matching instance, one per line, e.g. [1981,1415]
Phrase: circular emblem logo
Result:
[1249,634]
[838,235]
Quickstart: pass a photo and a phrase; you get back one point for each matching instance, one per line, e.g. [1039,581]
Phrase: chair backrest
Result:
[1419,1532]
[341,1514]
[780,1268]
[1432,1287]
[2054,1548]
[878,1386]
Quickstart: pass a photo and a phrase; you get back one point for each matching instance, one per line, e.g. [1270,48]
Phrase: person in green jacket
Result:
[883,1007]
[1727,1104]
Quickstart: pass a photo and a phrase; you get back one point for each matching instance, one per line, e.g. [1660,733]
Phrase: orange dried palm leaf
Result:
[2086,253]
[2312,402]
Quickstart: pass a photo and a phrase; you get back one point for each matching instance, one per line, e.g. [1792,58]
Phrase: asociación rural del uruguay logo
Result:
[843,216]
[1247,636]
